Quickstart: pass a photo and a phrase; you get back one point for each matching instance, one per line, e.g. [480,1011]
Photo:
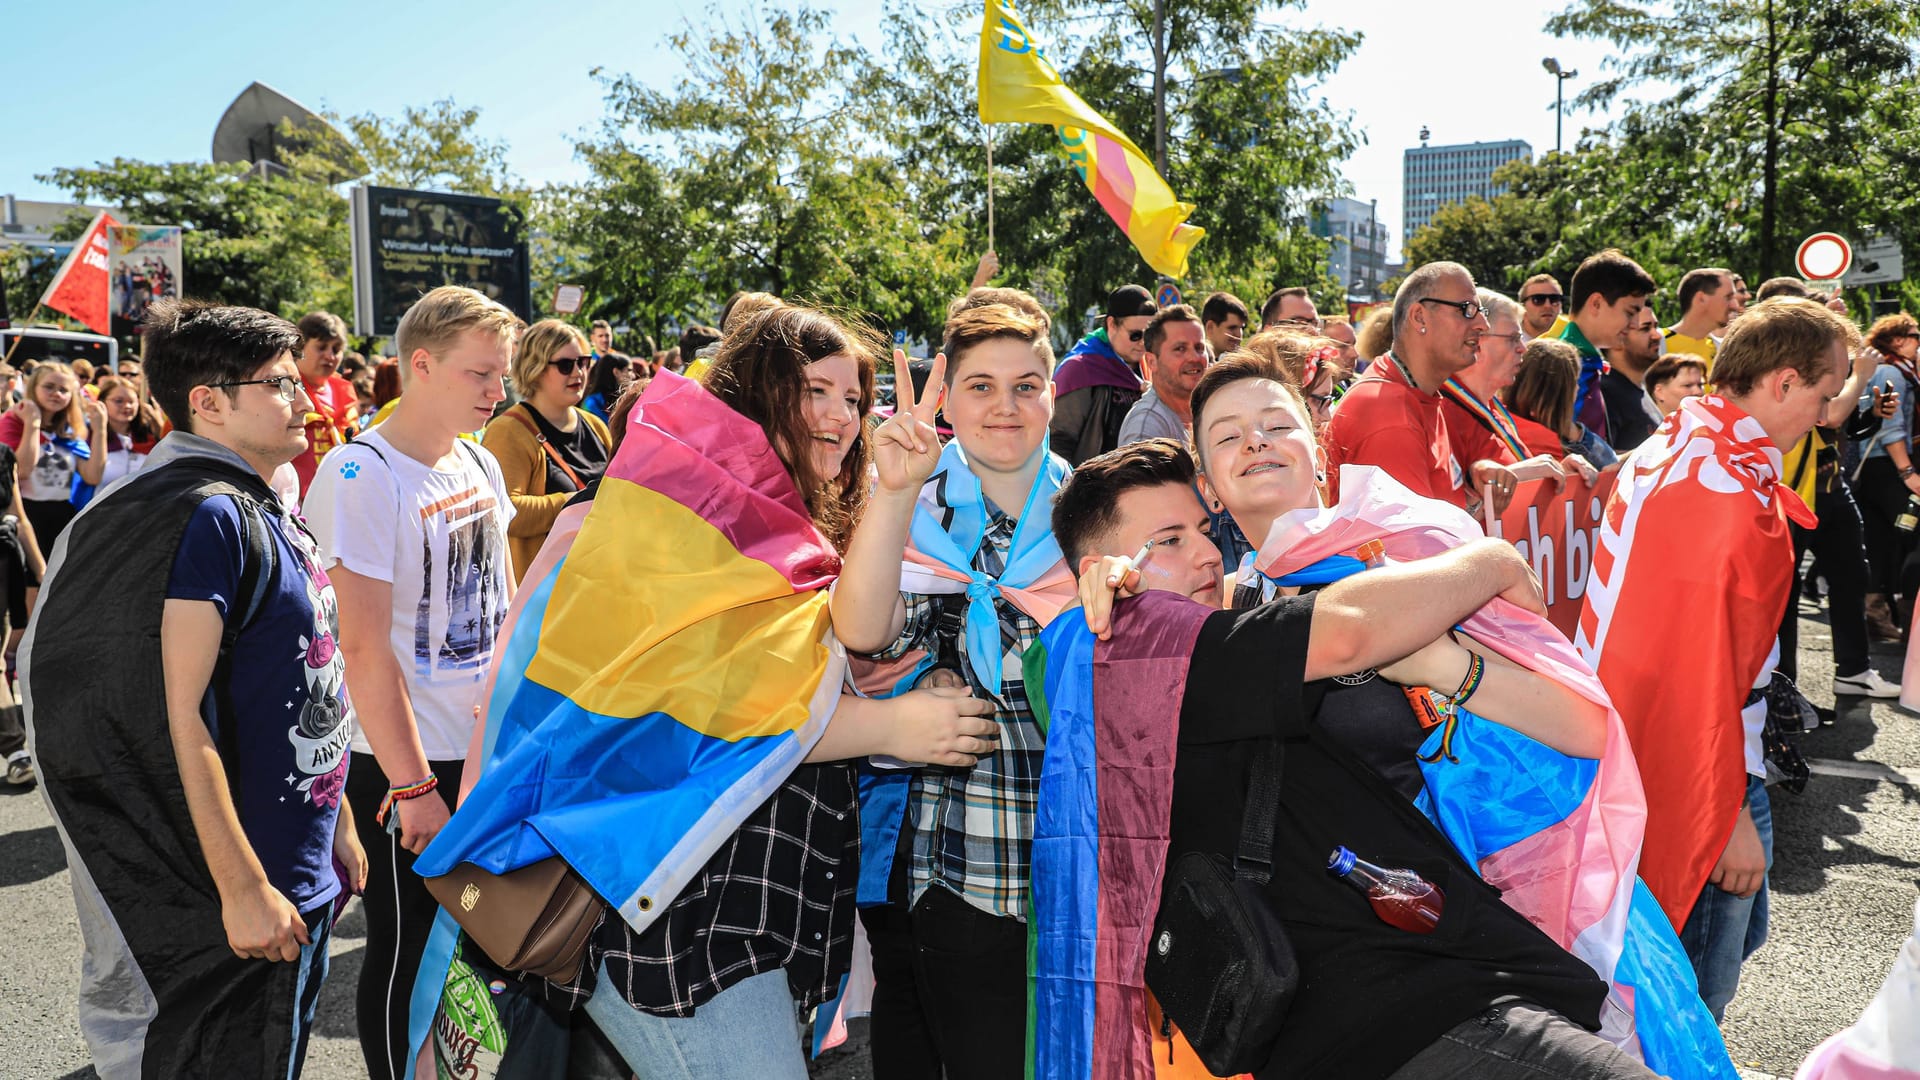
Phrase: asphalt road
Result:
[1847,859]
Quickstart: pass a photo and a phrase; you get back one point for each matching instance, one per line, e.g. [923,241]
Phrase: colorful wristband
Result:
[403,792]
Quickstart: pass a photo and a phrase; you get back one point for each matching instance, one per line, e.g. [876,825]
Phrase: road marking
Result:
[1865,770]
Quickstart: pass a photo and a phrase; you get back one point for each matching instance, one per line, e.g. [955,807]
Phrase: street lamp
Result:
[1559,95]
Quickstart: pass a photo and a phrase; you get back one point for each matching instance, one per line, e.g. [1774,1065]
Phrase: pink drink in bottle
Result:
[1401,898]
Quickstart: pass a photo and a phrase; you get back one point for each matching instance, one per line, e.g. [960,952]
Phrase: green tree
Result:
[1784,117]
[436,148]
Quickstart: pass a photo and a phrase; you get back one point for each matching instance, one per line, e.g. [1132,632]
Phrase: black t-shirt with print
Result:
[1371,996]
[580,448]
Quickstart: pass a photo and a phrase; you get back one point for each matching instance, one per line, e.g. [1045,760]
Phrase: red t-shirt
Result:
[1470,439]
[1383,421]
[335,404]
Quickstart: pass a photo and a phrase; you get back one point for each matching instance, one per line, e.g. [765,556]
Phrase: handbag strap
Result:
[1254,861]
[541,437]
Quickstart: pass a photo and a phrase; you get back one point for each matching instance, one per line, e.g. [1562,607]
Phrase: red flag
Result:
[79,290]
[1690,578]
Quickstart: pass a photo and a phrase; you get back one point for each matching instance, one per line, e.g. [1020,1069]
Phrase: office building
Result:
[1436,176]
[1357,241]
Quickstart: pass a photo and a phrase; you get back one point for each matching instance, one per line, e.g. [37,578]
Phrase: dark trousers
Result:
[13,731]
[1519,1040]
[400,914]
[1837,547]
[1883,498]
[950,990]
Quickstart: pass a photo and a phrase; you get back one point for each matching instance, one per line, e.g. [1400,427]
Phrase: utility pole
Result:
[1160,86]
[1373,247]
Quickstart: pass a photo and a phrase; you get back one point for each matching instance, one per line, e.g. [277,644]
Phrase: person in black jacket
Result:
[1100,378]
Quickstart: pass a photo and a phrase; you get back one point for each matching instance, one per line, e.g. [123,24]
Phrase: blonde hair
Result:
[72,420]
[438,319]
[537,346]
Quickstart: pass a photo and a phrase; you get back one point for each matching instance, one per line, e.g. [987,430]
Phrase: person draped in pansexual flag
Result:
[1695,559]
[667,715]
[1542,803]
[981,576]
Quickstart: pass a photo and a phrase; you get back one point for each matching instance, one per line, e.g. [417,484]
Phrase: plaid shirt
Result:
[778,894]
[972,828]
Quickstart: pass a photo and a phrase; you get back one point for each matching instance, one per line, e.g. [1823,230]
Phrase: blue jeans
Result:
[750,1030]
[1725,929]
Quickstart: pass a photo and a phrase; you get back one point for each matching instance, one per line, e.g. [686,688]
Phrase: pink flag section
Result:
[1574,880]
[1885,1043]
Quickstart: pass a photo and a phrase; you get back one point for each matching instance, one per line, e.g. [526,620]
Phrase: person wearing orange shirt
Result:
[1392,417]
[323,340]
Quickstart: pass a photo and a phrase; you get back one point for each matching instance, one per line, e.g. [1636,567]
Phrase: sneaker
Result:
[20,770]
[1866,684]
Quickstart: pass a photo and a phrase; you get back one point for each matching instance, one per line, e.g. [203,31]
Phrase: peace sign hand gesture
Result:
[906,448]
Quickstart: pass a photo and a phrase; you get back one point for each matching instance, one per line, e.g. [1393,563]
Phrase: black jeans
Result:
[950,990]
[1519,1040]
[1838,548]
[400,914]
[1883,498]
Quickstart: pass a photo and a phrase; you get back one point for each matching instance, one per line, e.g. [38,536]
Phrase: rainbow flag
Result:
[1019,85]
[668,664]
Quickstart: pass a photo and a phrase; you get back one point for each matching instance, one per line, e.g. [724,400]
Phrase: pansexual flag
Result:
[1018,85]
[667,666]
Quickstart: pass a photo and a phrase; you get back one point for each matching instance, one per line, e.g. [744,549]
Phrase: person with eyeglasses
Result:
[1098,382]
[1474,401]
[1545,305]
[1631,414]
[1292,305]
[1392,417]
[549,447]
[1707,303]
[196,776]
[336,405]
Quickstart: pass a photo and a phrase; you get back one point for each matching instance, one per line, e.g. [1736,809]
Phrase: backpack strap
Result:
[541,438]
[1254,860]
[259,560]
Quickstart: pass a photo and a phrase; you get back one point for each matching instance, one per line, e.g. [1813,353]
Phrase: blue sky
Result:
[157,85]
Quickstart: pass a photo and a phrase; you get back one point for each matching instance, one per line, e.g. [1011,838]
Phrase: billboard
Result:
[408,242]
[143,265]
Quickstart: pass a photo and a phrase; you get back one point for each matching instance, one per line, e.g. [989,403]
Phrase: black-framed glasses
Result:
[1468,309]
[287,386]
[566,364]
[1543,299]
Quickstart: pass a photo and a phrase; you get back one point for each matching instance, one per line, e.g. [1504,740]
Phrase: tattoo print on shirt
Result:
[321,733]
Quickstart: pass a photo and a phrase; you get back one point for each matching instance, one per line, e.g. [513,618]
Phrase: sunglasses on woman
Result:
[566,364]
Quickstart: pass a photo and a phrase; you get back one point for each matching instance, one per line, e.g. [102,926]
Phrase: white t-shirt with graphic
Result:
[439,536]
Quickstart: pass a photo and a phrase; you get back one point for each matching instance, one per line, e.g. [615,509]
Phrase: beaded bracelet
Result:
[403,792]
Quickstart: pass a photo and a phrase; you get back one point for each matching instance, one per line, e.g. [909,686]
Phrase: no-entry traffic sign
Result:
[1824,257]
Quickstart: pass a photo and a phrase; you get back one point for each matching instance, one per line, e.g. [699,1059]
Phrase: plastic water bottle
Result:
[1401,898]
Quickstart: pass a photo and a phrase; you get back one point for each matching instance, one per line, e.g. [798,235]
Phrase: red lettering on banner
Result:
[1557,531]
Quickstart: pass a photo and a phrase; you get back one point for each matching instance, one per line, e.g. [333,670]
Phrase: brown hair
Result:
[1780,333]
[386,381]
[973,327]
[1293,349]
[1237,366]
[623,408]
[760,372]
[1087,506]
[323,326]
[1888,329]
[1544,387]
[146,425]
[1017,299]
[742,306]
[1156,327]
[1373,338]
[1270,311]
[1668,368]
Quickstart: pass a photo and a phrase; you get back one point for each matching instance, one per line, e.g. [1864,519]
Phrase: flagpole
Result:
[989,131]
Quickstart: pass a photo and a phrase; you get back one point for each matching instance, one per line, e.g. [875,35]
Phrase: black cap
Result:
[1129,300]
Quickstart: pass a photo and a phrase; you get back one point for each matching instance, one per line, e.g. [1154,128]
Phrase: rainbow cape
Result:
[668,664]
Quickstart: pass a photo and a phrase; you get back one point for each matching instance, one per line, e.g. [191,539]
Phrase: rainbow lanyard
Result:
[1495,418]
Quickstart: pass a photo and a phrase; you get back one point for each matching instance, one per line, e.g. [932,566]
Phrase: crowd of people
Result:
[381,619]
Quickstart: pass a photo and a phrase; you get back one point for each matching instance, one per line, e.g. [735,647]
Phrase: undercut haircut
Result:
[1237,366]
[189,343]
[1707,280]
[1609,275]
[1086,509]
[1217,307]
[974,327]
[1156,330]
[1785,332]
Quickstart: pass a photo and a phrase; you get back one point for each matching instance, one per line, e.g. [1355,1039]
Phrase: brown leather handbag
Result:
[535,919]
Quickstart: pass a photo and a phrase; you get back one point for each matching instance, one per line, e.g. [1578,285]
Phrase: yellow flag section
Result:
[1018,85]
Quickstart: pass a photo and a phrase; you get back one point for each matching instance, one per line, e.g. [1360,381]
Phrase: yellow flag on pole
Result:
[1018,85]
